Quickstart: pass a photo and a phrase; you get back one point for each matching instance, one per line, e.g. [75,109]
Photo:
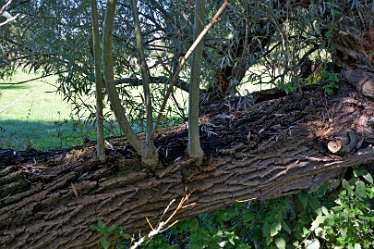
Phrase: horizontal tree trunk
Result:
[271,149]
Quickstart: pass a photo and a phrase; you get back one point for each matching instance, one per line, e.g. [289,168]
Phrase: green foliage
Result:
[288,87]
[328,81]
[350,223]
[111,235]
[276,36]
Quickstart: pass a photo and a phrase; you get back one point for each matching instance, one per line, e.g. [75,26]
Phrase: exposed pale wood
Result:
[335,145]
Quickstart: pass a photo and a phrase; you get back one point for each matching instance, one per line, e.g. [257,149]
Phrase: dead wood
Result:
[265,150]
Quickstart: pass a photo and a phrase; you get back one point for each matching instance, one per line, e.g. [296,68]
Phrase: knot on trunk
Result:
[345,142]
[349,141]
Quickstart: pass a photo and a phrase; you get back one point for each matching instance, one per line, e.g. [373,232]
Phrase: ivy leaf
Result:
[275,228]
[357,246]
[105,243]
[319,220]
[314,203]
[126,236]
[280,243]
[320,232]
[324,210]
[368,178]
[346,185]
[360,188]
[286,227]
[101,227]
[303,196]
[312,244]
[266,229]
[343,231]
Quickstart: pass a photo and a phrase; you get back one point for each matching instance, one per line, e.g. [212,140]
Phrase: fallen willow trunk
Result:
[273,148]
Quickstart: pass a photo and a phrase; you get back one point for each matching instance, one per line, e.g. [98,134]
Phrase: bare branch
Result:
[5,6]
[161,79]
[99,82]
[33,79]
[148,153]
[162,225]
[8,17]
[194,149]
[6,14]
[144,71]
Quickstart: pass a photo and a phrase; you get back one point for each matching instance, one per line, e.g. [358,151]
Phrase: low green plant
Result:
[112,236]
[348,224]
[328,81]
[288,87]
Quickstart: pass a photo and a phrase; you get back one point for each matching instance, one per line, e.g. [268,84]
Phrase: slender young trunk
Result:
[184,59]
[194,149]
[148,153]
[144,70]
[99,83]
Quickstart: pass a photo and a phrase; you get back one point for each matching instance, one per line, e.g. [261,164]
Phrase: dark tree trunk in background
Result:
[228,77]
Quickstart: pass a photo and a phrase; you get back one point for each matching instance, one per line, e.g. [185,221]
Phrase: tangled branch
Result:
[6,14]
[162,225]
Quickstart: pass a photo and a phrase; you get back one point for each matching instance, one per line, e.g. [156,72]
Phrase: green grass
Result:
[33,115]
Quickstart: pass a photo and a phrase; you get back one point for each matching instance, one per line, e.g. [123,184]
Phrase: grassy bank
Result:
[33,115]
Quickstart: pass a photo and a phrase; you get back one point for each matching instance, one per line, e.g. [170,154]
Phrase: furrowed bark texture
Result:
[274,148]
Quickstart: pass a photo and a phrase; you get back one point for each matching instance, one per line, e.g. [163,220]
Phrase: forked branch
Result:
[148,153]
[162,225]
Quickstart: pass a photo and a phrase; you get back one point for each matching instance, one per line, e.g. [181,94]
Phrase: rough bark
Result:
[274,148]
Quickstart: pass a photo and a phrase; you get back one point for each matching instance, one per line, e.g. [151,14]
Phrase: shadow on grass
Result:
[7,86]
[42,135]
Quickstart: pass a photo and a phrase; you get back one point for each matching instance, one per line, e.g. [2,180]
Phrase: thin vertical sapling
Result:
[148,153]
[144,71]
[146,150]
[99,82]
[193,148]
[181,64]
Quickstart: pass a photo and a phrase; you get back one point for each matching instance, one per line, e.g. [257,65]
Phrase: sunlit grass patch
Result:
[33,115]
